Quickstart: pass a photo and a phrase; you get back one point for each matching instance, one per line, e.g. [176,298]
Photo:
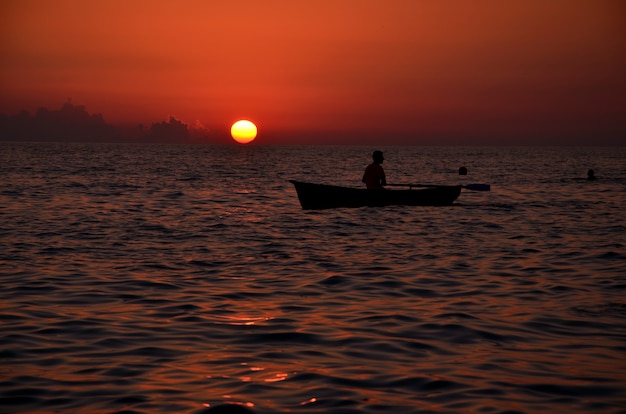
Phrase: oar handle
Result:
[473,187]
[413,185]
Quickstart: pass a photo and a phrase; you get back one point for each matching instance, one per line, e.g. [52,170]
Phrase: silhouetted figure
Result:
[462,171]
[374,176]
[226,409]
[591,175]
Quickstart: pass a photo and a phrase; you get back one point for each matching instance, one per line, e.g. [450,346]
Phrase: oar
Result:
[473,187]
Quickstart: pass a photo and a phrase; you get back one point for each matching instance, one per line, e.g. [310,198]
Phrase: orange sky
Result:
[358,71]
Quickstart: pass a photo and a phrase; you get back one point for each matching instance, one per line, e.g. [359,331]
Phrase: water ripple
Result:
[134,285]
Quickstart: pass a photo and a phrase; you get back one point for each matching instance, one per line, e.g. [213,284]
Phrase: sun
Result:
[243,131]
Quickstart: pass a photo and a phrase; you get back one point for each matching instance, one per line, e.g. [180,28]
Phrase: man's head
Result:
[377,156]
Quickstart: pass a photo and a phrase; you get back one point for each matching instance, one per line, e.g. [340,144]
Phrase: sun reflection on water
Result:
[277,377]
[236,320]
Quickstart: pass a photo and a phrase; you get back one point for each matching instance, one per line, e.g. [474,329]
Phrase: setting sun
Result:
[243,131]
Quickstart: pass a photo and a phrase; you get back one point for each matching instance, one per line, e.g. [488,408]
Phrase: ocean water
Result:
[168,279]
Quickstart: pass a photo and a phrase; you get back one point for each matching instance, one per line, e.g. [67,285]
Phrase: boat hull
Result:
[322,196]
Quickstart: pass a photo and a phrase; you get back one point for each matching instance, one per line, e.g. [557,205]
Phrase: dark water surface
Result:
[164,279]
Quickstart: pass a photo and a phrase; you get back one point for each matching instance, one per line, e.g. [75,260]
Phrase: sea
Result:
[142,279]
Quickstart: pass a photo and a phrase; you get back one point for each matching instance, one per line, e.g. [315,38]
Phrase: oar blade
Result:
[478,187]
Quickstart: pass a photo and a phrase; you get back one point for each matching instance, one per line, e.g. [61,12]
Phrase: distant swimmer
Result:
[374,176]
[591,175]
[462,171]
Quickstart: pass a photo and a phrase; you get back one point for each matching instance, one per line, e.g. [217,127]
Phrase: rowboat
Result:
[322,196]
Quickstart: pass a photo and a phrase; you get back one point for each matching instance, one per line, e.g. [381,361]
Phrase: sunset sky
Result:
[329,71]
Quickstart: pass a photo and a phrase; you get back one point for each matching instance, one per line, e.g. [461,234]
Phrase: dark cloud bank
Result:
[72,123]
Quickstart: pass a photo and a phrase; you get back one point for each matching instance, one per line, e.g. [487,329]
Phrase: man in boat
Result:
[374,176]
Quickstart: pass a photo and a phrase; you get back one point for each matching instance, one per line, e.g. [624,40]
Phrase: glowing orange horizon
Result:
[409,71]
